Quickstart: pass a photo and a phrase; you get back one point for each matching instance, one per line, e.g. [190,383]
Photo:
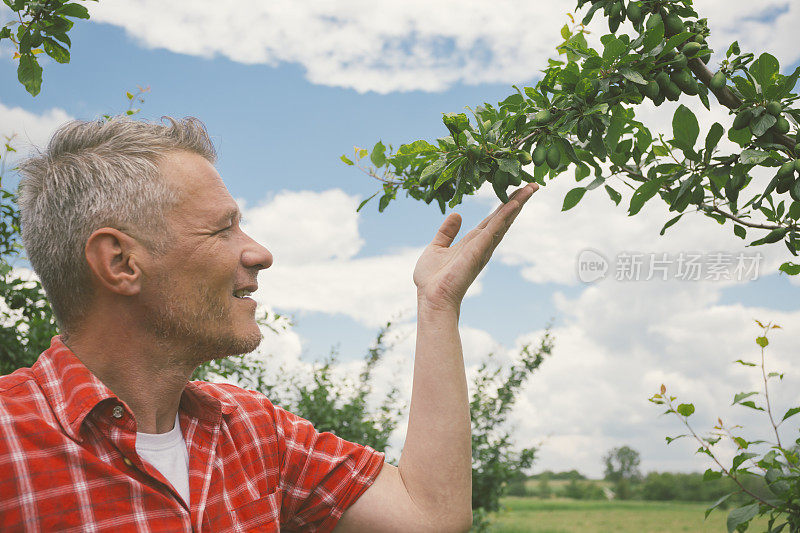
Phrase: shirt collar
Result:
[73,391]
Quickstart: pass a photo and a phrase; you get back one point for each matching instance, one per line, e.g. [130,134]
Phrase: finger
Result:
[532,187]
[447,231]
[500,224]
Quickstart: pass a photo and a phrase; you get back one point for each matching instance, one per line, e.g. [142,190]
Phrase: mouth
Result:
[244,293]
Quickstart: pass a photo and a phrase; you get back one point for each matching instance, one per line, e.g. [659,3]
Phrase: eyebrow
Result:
[231,214]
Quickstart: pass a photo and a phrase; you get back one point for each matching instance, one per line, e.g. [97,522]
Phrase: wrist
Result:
[429,308]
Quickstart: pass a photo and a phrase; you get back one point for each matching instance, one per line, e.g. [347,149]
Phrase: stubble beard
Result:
[201,324]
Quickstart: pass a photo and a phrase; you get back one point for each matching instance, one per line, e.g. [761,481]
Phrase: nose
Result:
[256,256]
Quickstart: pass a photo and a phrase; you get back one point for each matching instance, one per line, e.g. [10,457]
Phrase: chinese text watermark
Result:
[685,266]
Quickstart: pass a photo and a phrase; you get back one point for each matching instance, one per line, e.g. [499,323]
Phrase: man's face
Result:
[192,294]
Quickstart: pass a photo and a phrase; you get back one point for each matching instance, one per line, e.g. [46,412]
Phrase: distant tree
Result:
[622,468]
[340,406]
[765,473]
[622,463]
[494,460]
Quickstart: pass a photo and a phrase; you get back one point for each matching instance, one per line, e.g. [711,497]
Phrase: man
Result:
[137,242]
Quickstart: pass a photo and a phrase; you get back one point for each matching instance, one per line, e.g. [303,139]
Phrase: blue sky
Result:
[282,104]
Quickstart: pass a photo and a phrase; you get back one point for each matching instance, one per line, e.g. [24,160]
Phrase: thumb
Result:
[447,231]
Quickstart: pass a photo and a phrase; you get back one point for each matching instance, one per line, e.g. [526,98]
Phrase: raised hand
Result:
[444,273]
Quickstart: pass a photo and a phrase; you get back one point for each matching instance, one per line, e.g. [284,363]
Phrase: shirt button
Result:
[117,412]
[127,461]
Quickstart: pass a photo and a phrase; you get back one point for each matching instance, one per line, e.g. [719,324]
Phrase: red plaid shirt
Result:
[68,460]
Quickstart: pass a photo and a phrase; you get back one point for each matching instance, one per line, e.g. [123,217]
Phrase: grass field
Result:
[526,515]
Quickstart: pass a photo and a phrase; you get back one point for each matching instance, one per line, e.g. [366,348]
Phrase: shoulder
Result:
[256,410]
[23,407]
[233,395]
[245,403]
[19,390]
[15,383]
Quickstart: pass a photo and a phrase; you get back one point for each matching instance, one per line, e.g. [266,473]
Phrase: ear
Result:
[109,253]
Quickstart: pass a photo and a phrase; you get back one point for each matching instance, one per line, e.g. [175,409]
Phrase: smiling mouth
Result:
[242,294]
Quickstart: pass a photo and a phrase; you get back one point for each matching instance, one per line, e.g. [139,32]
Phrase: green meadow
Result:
[532,515]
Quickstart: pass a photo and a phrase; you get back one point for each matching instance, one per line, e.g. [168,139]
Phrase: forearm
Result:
[436,461]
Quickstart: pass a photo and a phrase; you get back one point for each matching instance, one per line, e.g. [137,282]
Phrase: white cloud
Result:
[389,46]
[314,240]
[619,343]
[30,131]
[324,226]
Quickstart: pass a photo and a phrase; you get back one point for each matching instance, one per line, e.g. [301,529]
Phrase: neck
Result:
[148,375]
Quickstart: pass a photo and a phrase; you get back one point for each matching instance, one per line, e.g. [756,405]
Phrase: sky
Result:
[286,88]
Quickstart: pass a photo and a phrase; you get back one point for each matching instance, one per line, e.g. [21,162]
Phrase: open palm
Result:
[444,273]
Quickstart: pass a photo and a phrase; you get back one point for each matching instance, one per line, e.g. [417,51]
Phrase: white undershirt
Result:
[168,454]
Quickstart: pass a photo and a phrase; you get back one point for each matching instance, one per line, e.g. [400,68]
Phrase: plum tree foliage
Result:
[41,27]
[775,459]
[582,114]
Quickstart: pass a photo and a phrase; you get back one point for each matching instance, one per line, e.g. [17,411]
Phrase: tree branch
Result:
[727,98]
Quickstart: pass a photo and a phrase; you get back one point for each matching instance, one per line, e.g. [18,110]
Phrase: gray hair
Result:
[92,175]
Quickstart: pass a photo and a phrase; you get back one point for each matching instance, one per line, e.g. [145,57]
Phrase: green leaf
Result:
[742,395]
[419,147]
[713,137]
[744,363]
[710,474]
[456,123]
[745,87]
[677,39]
[685,409]
[633,76]
[790,268]
[378,156]
[685,127]
[612,47]
[581,171]
[670,223]
[362,204]
[760,125]
[762,341]
[433,168]
[56,51]
[645,191]
[598,181]
[346,160]
[63,38]
[73,10]
[751,405]
[791,412]
[573,197]
[739,459]
[29,73]
[740,137]
[589,14]
[741,515]
[753,157]
[718,503]
[510,165]
[764,69]
[653,37]
[614,195]
[384,202]
[771,237]
[739,231]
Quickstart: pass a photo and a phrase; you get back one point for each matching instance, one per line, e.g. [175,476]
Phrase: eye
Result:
[224,230]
